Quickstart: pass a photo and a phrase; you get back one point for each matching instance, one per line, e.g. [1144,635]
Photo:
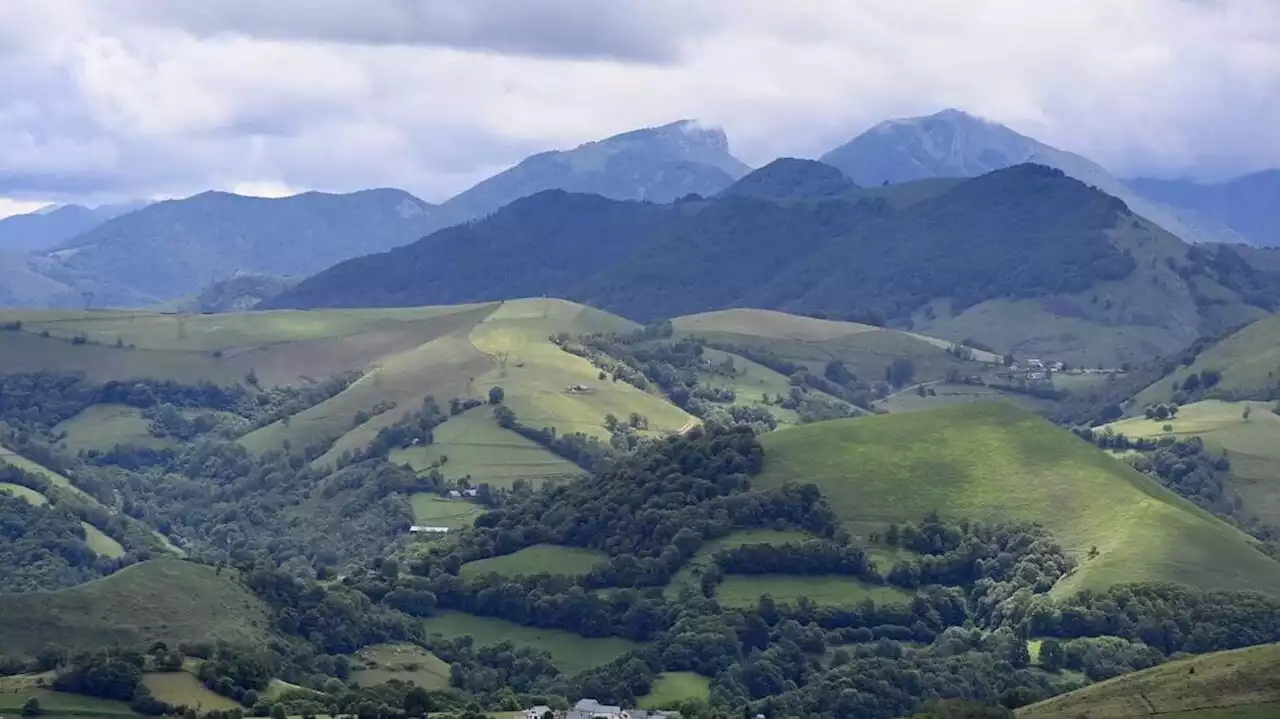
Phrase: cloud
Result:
[116,98]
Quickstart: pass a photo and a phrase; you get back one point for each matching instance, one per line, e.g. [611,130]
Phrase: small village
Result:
[592,709]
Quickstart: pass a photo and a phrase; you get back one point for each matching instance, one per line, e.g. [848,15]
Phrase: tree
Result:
[496,394]
[31,708]
[1052,656]
[278,712]
[900,371]
[1248,409]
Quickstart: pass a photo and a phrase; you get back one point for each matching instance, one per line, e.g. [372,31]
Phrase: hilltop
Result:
[789,177]
[162,600]
[1023,259]
[1247,364]
[996,462]
[953,143]
[1238,684]
[653,164]
[51,226]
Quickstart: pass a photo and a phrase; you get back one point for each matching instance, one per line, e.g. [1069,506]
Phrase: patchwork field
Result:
[475,446]
[671,688]
[1250,443]
[183,689]
[434,511]
[739,590]
[160,600]
[995,462]
[1239,684]
[570,653]
[536,559]
[382,663]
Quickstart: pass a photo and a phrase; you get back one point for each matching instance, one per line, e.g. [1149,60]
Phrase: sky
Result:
[111,99]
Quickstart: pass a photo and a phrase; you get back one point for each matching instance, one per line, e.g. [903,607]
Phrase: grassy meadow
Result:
[688,576]
[382,663]
[21,492]
[434,511]
[1239,684]
[473,445]
[160,600]
[102,426]
[570,652]
[536,559]
[183,689]
[1248,361]
[745,590]
[671,688]
[995,462]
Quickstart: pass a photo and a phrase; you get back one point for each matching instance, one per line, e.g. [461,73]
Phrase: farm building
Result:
[423,529]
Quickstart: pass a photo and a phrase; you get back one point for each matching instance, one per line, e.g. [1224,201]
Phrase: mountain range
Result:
[1024,258]
[170,250]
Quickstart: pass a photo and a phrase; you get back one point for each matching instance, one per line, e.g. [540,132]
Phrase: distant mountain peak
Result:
[791,177]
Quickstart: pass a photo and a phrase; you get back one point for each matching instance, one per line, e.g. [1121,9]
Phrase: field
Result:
[865,349]
[671,688]
[740,590]
[689,574]
[1248,360]
[476,447]
[909,400]
[382,663]
[1250,444]
[183,689]
[570,653]
[58,704]
[22,492]
[434,511]
[538,558]
[1239,684]
[102,426]
[751,382]
[101,543]
[161,600]
[995,462]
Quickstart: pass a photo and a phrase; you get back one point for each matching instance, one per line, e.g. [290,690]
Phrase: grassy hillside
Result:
[1239,684]
[1248,360]
[996,462]
[865,349]
[1248,442]
[570,652]
[160,600]
[539,558]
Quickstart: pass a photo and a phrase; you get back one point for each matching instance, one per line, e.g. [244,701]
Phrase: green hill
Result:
[996,462]
[1239,684]
[160,600]
[1248,362]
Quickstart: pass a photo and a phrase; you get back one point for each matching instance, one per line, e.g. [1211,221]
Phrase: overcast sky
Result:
[154,98]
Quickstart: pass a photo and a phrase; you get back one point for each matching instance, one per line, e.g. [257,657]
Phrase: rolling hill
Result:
[1248,362]
[160,600]
[52,226]
[953,143]
[1237,684]
[1023,259]
[995,462]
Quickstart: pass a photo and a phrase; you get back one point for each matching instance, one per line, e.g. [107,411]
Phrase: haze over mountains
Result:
[176,248]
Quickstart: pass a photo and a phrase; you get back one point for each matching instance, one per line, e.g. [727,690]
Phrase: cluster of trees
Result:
[582,449]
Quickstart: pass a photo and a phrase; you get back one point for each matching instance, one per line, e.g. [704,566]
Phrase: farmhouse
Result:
[592,709]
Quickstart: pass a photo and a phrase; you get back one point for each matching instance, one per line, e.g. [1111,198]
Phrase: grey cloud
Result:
[629,30]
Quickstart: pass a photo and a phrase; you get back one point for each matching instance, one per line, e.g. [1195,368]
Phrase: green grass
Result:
[865,349]
[160,600]
[382,663]
[102,426]
[751,382]
[688,576]
[671,688]
[60,704]
[1239,684]
[476,447]
[569,652]
[183,689]
[101,543]
[909,400]
[740,590]
[1251,445]
[433,511]
[536,559]
[997,463]
[22,492]
[1248,360]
